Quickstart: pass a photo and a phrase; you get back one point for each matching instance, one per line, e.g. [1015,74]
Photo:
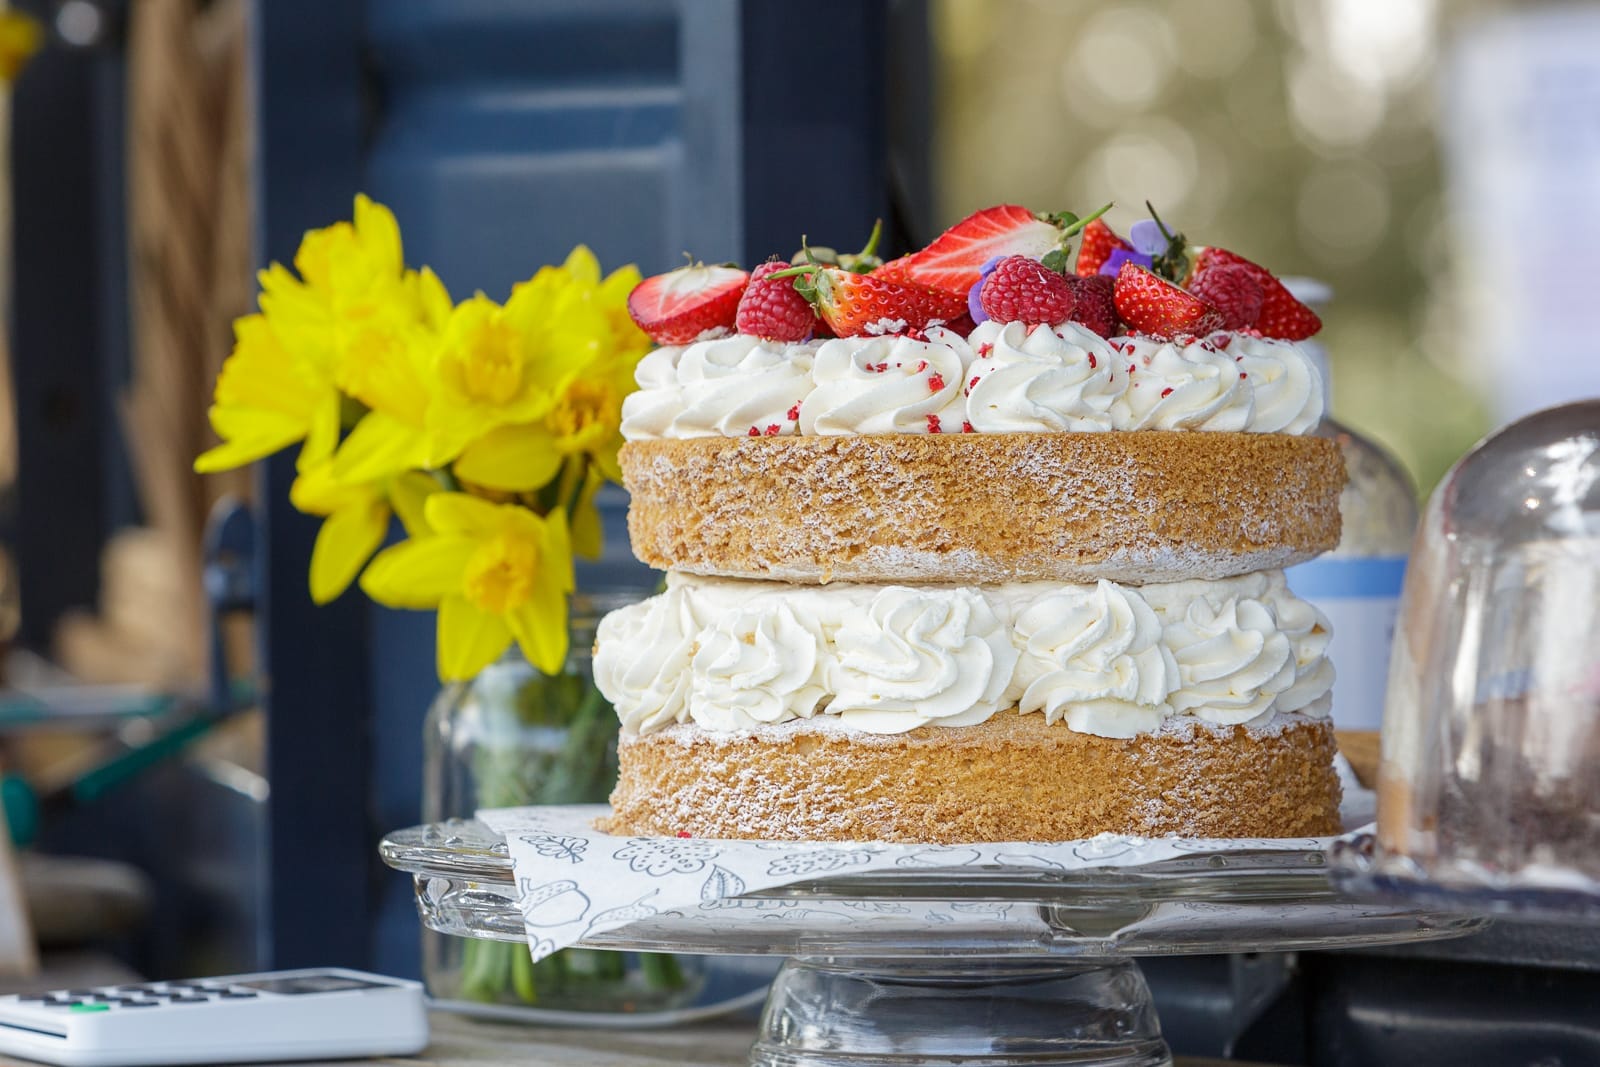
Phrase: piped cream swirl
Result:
[727,387]
[1041,379]
[1180,385]
[1103,659]
[888,384]
[1005,378]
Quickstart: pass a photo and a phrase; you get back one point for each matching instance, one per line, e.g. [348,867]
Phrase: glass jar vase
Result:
[513,736]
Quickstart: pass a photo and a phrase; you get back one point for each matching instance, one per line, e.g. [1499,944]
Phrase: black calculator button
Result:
[24,997]
[141,1004]
[191,1000]
[238,994]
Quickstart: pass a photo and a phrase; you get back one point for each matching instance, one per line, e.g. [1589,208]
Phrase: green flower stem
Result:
[660,970]
[522,967]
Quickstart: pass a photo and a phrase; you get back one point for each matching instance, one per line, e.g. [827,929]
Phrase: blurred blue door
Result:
[502,132]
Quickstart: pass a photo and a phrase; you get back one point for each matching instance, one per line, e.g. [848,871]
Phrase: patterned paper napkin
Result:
[575,882]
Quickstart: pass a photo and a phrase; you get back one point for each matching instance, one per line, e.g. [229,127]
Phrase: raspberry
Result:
[1096,309]
[1230,288]
[771,308]
[1024,290]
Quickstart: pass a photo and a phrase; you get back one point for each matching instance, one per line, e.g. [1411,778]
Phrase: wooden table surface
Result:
[459,1042]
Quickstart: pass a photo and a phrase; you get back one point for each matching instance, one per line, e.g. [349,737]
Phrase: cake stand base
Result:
[971,1012]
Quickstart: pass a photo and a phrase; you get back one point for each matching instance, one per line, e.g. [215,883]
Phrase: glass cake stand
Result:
[1022,966]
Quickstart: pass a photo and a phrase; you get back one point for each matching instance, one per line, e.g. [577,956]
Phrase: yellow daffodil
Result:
[495,572]
[268,397]
[597,356]
[283,381]
[20,38]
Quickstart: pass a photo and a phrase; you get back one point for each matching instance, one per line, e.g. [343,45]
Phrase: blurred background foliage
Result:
[1303,134]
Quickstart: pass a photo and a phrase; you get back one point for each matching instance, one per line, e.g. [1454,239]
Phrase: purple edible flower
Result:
[974,304]
[1146,237]
[1119,256]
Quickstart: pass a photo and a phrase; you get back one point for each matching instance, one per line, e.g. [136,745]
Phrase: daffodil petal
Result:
[583,266]
[434,299]
[418,573]
[239,452]
[513,459]
[461,513]
[377,229]
[408,493]
[379,446]
[348,539]
[469,639]
[540,627]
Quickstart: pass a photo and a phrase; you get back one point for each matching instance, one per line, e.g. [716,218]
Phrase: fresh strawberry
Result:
[771,308]
[853,304]
[1152,305]
[1096,307]
[1281,316]
[1099,241]
[676,307]
[1232,290]
[952,262]
[1024,290]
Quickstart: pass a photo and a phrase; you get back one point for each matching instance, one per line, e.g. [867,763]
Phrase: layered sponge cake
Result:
[936,580]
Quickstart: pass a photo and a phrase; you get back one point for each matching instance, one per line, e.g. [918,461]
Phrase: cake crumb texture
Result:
[1135,507]
[1009,778]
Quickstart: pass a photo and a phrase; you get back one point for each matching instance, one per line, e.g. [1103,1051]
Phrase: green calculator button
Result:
[90,1007]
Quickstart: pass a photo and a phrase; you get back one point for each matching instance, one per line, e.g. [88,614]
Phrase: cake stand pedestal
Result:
[974,966]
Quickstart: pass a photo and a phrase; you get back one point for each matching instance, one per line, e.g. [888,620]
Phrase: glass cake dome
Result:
[1489,787]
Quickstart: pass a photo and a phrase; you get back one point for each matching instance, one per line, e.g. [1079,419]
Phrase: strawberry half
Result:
[1152,305]
[1099,241]
[679,306]
[854,304]
[951,263]
[1281,315]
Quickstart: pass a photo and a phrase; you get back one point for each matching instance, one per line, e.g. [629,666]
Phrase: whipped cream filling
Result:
[1105,659]
[1004,378]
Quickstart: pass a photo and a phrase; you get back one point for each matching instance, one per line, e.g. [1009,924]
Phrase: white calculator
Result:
[324,1013]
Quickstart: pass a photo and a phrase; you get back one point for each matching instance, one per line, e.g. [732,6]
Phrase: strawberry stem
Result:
[1073,224]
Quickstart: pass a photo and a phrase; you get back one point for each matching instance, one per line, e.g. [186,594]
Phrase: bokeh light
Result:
[1301,133]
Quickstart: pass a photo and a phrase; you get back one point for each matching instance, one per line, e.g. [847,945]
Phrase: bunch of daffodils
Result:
[485,428]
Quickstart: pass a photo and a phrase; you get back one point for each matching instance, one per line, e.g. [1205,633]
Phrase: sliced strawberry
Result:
[952,261]
[770,307]
[1232,290]
[854,304]
[1152,305]
[1282,316]
[1099,241]
[677,307]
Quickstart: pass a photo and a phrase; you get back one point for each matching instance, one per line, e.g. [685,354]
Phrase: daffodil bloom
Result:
[268,397]
[495,572]
[282,383]
[586,388]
